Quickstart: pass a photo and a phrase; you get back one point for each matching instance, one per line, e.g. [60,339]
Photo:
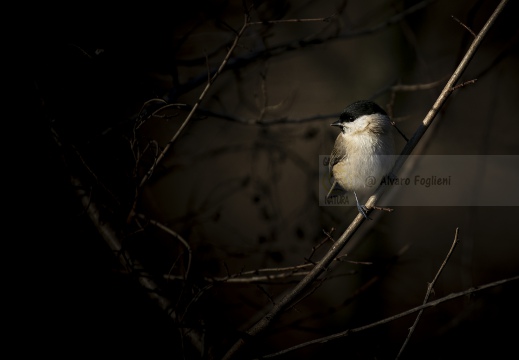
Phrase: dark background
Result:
[241,183]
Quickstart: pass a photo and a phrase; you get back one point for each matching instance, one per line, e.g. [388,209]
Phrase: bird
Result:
[364,151]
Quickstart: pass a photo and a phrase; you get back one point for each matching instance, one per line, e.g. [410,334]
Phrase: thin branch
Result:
[169,106]
[259,278]
[399,131]
[256,121]
[264,291]
[279,269]
[269,22]
[321,243]
[132,265]
[463,84]
[175,235]
[417,87]
[429,291]
[322,265]
[144,113]
[294,45]
[392,20]
[345,333]
[201,97]
[387,264]
[318,117]
[465,26]
[253,276]
[187,119]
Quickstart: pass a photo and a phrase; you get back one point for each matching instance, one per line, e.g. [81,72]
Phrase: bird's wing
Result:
[338,152]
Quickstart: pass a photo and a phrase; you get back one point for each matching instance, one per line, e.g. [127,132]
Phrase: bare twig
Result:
[259,278]
[250,121]
[200,98]
[293,45]
[392,20]
[322,265]
[188,118]
[131,265]
[144,113]
[264,291]
[394,317]
[399,131]
[260,275]
[269,22]
[463,84]
[364,287]
[175,235]
[465,26]
[191,113]
[329,234]
[321,243]
[429,291]
[417,87]
[402,87]
[284,119]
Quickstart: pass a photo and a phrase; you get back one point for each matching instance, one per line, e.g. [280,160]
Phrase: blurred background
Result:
[241,183]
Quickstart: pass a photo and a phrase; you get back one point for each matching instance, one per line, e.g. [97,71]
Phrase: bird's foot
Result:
[362,208]
[364,211]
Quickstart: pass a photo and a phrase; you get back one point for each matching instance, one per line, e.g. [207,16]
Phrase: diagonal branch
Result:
[200,98]
[237,62]
[163,153]
[394,317]
[428,293]
[175,235]
[135,267]
[302,286]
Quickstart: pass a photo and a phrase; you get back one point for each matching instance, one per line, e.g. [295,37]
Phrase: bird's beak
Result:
[337,123]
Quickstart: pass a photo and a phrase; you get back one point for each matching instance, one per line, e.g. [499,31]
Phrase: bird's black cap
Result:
[357,109]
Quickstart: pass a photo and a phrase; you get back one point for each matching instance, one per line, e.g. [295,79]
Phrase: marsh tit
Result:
[363,153]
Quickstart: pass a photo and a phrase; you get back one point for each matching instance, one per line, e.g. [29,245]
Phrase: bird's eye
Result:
[346,118]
